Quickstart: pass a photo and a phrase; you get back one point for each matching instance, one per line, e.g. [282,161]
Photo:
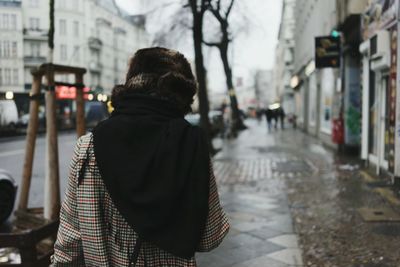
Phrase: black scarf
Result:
[155,166]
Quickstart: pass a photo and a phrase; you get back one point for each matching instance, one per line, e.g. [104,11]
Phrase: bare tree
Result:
[198,8]
[188,18]
[221,13]
[51,32]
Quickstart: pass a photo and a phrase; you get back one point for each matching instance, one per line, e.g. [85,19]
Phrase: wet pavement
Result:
[292,202]
[250,174]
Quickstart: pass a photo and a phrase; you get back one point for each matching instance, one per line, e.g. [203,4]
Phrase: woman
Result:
[141,188]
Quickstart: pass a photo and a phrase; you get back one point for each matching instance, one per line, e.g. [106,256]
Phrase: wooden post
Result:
[80,106]
[30,142]
[52,179]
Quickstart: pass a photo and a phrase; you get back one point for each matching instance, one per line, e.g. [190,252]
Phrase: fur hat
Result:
[159,72]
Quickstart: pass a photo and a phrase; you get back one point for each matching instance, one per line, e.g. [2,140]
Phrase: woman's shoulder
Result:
[85,139]
[83,143]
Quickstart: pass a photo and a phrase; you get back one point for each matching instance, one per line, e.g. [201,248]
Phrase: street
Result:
[290,201]
[12,159]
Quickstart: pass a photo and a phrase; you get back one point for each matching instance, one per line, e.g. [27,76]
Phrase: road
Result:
[12,150]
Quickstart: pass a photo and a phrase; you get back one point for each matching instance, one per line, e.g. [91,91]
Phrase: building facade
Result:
[264,91]
[94,34]
[380,100]
[328,98]
[11,46]
[284,57]
[313,89]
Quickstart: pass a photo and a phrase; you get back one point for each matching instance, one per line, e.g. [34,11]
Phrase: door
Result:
[379,122]
[384,124]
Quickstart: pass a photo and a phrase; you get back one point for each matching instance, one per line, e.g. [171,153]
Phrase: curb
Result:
[384,192]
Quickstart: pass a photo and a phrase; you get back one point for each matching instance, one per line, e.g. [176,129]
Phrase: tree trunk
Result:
[201,74]
[51,33]
[237,122]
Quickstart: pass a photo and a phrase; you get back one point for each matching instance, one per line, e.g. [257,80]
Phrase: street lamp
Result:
[9,95]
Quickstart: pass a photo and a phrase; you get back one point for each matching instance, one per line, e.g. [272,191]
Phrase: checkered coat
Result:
[93,233]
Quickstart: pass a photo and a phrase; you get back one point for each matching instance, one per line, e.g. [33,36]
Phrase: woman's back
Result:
[93,232]
[141,188]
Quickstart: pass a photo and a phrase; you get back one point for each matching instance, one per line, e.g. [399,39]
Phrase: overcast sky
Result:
[250,51]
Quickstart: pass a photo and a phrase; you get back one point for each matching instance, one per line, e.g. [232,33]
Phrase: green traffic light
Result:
[335,34]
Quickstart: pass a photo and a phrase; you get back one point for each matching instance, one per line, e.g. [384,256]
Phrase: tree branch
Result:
[228,11]
[214,44]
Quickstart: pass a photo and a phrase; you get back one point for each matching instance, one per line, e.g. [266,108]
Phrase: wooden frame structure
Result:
[44,221]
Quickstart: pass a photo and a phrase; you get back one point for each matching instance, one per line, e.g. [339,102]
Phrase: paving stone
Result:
[265,233]
[288,241]
[263,261]
[249,173]
[290,256]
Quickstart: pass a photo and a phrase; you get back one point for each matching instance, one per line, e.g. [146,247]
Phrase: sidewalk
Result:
[292,202]
[253,194]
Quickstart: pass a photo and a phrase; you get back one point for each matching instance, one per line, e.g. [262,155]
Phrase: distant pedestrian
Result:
[282,116]
[141,187]
[259,114]
[275,117]
[269,116]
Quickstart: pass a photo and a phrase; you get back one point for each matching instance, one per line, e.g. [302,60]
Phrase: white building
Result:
[264,90]
[11,49]
[284,57]
[94,34]
[315,90]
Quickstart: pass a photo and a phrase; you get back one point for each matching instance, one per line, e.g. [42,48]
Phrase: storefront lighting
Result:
[90,97]
[294,81]
[275,106]
[9,95]
[99,97]
[310,68]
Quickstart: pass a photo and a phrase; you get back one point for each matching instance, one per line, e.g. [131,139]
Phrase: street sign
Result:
[327,52]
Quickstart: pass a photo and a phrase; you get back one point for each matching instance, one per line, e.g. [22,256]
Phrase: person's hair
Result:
[158,72]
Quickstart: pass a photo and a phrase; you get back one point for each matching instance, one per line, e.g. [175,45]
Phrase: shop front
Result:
[379,70]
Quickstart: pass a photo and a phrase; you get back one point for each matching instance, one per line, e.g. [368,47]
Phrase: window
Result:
[7,76]
[34,23]
[6,51]
[34,3]
[13,22]
[6,24]
[63,52]
[77,52]
[15,77]
[76,28]
[61,4]
[63,27]
[35,49]
[14,49]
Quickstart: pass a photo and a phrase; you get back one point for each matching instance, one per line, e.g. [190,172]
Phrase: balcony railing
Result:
[33,61]
[95,67]
[35,34]
[95,43]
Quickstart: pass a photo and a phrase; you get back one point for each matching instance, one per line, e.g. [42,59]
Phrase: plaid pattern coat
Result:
[93,233]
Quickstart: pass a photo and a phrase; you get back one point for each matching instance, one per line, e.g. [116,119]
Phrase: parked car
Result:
[8,115]
[8,191]
[24,120]
[95,112]
[215,117]
[217,121]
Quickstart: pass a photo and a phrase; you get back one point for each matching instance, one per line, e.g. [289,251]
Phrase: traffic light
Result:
[335,33]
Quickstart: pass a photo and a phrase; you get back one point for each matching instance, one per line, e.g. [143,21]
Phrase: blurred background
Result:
[299,99]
